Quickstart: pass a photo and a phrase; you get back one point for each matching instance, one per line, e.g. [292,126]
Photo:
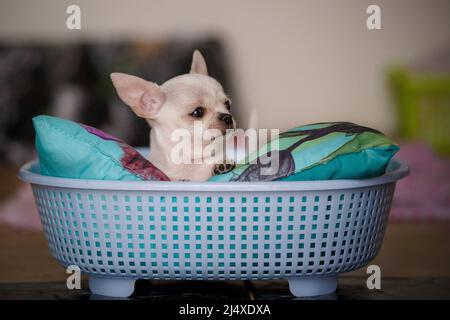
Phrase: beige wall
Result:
[294,61]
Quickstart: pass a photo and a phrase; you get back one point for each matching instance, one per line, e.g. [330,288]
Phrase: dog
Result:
[183,102]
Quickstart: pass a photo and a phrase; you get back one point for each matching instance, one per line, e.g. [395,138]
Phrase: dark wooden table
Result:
[350,288]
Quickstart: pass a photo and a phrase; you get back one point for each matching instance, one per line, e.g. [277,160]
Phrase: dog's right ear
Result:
[144,97]
[198,64]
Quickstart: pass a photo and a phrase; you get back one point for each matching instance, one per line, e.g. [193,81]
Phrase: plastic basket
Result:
[305,232]
[423,105]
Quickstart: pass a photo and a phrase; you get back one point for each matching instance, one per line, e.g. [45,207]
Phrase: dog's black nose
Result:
[226,117]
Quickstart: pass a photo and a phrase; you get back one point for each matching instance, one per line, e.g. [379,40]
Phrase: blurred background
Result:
[284,63]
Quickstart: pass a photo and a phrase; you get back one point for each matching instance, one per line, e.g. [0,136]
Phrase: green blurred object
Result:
[423,105]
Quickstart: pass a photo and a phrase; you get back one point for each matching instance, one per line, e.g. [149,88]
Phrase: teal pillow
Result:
[71,150]
[322,151]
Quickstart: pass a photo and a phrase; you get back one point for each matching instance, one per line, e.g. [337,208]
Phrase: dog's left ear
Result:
[144,97]
[198,64]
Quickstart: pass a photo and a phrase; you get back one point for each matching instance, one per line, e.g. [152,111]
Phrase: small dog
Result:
[179,103]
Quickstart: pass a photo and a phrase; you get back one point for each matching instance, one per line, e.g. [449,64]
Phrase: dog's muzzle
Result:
[227,118]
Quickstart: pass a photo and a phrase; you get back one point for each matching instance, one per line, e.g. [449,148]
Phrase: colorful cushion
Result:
[71,150]
[322,151]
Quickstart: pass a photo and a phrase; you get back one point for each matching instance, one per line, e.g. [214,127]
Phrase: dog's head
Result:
[180,101]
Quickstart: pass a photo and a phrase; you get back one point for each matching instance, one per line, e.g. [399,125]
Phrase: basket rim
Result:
[396,170]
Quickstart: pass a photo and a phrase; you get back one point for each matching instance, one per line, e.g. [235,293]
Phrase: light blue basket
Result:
[305,232]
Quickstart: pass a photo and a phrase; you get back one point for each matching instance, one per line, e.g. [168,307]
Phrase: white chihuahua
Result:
[179,103]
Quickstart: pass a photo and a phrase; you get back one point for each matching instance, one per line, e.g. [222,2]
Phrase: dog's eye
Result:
[228,104]
[198,112]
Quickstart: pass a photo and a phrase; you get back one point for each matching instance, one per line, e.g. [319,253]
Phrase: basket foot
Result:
[110,287]
[308,287]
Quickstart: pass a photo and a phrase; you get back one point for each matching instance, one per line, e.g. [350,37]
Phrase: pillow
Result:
[322,151]
[70,150]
